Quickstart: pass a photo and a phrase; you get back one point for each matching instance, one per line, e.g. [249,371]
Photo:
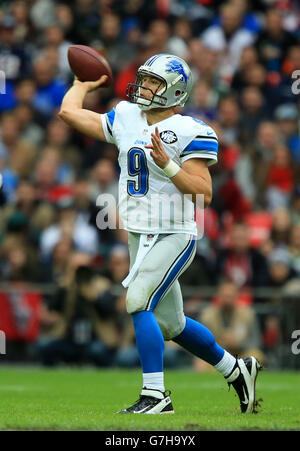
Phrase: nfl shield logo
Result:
[168,137]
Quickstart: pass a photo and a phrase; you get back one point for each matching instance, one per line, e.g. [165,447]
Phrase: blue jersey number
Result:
[137,167]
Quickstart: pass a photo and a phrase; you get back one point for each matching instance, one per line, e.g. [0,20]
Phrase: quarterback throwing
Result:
[162,154]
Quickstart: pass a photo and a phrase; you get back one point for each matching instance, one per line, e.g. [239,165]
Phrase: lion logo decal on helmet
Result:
[177,67]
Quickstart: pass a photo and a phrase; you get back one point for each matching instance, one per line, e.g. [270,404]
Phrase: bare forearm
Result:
[193,184]
[74,98]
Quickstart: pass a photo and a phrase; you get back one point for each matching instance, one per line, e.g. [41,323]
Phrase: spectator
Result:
[55,36]
[10,134]
[286,117]
[69,226]
[267,140]
[54,270]
[249,57]
[50,90]
[229,38]
[279,179]
[58,135]
[263,150]
[26,203]
[64,170]
[203,102]
[85,21]
[18,264]
[295,206]
[80,333]
[183,30]
[273,41]
[118,51]
[252,113]
[14,57]
[272,339]
[159,38]
[294,249]
[249,19]
[229,116]
[104,179]
[25,91]
[88,211]
[256,76]
[45,178]
[280,271]
[234,326]
[240,263]
[281,227]
[29,129]
[42,13]
[65,18]
[24,29]
[203,62]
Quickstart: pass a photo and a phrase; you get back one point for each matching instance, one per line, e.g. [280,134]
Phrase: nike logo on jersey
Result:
[210,133]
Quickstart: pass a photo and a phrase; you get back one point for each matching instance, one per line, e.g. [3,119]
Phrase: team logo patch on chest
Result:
[168,137]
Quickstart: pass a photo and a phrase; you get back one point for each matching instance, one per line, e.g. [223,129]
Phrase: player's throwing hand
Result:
[158,154]
[91,85]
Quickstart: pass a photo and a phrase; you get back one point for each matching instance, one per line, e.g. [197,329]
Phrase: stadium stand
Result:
[243,56]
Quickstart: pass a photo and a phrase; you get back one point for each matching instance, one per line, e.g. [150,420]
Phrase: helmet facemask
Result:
[136,92]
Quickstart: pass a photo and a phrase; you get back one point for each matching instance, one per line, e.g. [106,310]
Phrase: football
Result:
[88,64]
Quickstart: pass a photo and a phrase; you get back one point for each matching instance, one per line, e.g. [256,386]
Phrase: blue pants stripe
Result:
[171,275]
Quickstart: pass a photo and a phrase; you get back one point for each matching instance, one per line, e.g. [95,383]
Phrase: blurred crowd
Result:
[244,57]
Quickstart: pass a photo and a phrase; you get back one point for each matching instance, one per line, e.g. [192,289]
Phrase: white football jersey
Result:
[148,200]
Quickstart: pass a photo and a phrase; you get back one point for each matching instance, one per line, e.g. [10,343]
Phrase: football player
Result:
[162,155]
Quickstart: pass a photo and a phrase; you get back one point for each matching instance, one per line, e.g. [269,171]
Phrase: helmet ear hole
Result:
[177,93]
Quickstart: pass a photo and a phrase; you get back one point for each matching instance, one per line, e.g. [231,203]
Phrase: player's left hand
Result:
[158,153]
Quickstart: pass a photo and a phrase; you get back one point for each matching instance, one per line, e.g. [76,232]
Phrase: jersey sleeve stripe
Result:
[111,116]
[108,127]
[211,158]
[202,155]
[201,146]
[206,137]
[109,137]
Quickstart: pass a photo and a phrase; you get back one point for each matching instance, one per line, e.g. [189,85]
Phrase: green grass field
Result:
[87,399]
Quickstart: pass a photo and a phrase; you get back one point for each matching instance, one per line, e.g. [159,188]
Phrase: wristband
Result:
[171,169]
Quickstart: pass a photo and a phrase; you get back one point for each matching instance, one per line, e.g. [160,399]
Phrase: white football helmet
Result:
[175,87]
